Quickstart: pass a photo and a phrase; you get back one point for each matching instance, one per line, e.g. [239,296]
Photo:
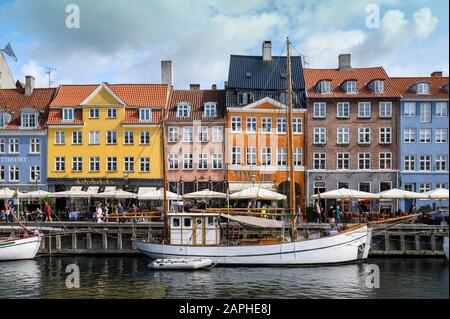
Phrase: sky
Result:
[123,41]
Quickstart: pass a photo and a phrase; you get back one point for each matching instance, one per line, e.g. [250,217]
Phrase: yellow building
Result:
[106,135]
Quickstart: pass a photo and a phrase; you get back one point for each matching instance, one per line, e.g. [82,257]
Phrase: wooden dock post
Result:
[49,245]
[74,241]
[433,242]
[402,243]
[386,242]
[417,242]
[58,242]
[119,240]
[88,241]
[105,240]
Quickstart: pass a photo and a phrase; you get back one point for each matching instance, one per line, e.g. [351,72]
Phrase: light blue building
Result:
[23,136]
[424,129]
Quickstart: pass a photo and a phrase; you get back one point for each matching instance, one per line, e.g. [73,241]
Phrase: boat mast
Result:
[290,141]
[165,233]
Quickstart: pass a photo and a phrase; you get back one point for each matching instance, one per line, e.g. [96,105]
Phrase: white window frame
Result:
[188,161]
[77,137]
[385,109]
[68,114]
[128,164]
[202,162]
[174,161]
[441,163]
[343,157]
[320,158]
[210,110]
[385,132]
[203,134]
[183,110]
[217,161]
[386,159]
[320,132]
[427,133]
[251,125]
[111,113]
[343,135]
[77,164]
[441,109]
[174,134]
[343,108]
[364,110]
[362,132]
[425,112]
[266,125]
[363,157]
[94,137]
[94,164]
[236,155]
[251,156]
[145,114]
[281,124]
[14,146]
[236,124]
[217,134]
[297,125]
[111,164]
[351,87]
[378,86]
[441,135]
[94,113]
[111,137]
[36,171]
[266,156]
[35,145]
[188,134]
[128,138]
[144,165]
[282,158]
[60,164]
[319,110]
[60,138]
[145,138]
[409,163]
[29,119]
[14,173]
[423,88]
[409,109]
[409,135]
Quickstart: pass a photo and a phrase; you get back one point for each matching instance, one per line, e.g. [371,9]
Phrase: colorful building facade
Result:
[23,136]
[106,135]
[424,128]
[194,139]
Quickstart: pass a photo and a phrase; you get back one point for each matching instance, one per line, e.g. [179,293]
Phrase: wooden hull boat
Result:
[349,246]
[20,248]
[181,264]
[445,246]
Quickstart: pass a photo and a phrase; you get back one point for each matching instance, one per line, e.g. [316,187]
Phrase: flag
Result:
[9,51]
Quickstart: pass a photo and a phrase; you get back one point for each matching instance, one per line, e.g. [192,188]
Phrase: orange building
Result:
[257,149]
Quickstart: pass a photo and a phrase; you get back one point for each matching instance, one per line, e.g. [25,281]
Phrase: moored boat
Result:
[20,248]
[181,264]
[445,246]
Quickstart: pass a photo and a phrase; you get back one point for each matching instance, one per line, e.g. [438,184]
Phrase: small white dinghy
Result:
[445,246]
[182,264]
[20,248]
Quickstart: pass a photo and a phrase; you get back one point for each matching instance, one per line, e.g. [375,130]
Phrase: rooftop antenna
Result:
[49,72]
[304,60]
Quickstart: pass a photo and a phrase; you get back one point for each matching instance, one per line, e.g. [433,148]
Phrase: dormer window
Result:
[145,115]
[324,87]
[2,120]
[68,114]
[423,88]
[350,87]
[245,98]
[378,86]
[29,119]
[210,110]
[183,110]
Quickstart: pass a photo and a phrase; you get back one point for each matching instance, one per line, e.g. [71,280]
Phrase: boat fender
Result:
[361,247]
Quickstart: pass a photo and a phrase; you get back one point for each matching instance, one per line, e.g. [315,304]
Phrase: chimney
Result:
[267,50]
[214,87]
[225,85]
[436,74]
[167,72]
[194,86]
[29,85]
[345,62]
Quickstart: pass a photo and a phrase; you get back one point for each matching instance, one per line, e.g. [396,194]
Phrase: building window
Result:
[144,138]
[266,156]
[385,161]
[364,161]
[266,125]
[441,163]
[210,110]
[425,162]
[183,110]
[343,161]
[251,125]
[423,88]
[60,138]
[410,187]
[35,146]
[281,125]
[174,162]
[441,185]
[378,86]
[364,110]
[94,137]
[129,164]
[145,115]
[128,138]
[174,134]
[35,173]
[68,114]
[351,87]
[298,157]
[112,113]
[111,164]
[2,146]
[13,146]
[28,120]
[2,173]
[325,87]
[320,110]
[345,185]
[251,156]
[441,135]
[145,164]
[343,110]
[203,134]
[188,161]
[236,124]
[188,134]
[60,164]
[111,137]
[77,137]
[77,164]
[441,109]
[320,162]
[425,135]
[385,135]
[424,187]
[343,135]
[385,186]
[364,136]
[217,134]
[14,173]
[282,156]
[425,112]
[202,161]
[297,125]
[245,98]
[385,109]
[364,187]
[409,163]
[409,135]
[236,156]
[320,135]
[94,113]
[94,164]
[218,161]
[410,109]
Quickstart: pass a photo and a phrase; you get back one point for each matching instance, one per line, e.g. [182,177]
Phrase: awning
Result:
[240,186]
[76,188]
[145,190]
[257,193]
[118,194]
[345,193]
[158,195]
[400,194]
[440,194]
[255,221]
[205,194]
[110,189]
[37,194]
[93,190]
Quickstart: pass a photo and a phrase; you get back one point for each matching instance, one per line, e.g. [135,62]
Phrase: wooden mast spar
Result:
[290,142]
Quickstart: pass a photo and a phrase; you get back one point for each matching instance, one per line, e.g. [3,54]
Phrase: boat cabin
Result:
[194,229]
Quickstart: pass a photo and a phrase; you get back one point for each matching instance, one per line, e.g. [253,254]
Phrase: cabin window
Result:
[210,221]
[175,222]
[199,221]
[187,222]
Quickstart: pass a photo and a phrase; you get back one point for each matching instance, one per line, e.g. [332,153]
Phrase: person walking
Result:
[99,212]
[318,213]
[338,215]
[48,212]
[121,211]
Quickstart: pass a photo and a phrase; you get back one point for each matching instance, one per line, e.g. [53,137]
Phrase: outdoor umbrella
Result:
[6,193]
[396,193]
[205,194]
[117,194]
[257,193]
[71,194]
[37,195]
[345,193]
[158,195]
[440,194]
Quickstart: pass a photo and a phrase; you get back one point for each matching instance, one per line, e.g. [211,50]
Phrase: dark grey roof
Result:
[264,75]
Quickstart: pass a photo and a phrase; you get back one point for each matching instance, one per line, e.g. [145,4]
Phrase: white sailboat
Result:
[19,248]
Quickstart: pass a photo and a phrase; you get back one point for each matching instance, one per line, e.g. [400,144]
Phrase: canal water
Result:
[130,277]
